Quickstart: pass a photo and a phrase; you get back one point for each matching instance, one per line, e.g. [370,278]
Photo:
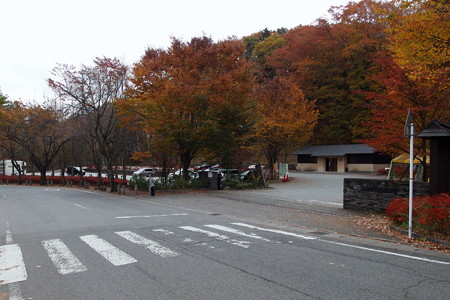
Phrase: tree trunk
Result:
[43,176]
[185,163]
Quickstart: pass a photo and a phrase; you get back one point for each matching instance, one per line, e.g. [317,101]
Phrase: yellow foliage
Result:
[419,35]
[285,115]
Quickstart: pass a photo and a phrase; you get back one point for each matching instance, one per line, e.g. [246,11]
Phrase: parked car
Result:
[75,171]
[179,173]
[249,174]
[144,172]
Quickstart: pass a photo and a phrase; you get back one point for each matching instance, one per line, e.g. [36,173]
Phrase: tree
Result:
[3,99]
[92,92]
[195,96]
[390,106]
[419,35]
[286,117]
[412,74]
[329,61]
[39,130]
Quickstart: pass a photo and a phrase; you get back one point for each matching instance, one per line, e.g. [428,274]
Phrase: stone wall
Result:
[375,195]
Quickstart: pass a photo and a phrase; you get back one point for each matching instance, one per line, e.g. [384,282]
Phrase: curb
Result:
[419,236]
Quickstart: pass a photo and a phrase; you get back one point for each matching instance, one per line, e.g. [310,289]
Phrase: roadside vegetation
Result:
[239,101]
[431,214]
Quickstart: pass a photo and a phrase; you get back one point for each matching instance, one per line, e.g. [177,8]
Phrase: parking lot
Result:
[323,189]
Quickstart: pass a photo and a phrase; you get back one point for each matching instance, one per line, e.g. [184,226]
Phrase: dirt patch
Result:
[383,224]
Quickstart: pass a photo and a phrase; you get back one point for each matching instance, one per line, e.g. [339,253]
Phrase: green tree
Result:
[3,99]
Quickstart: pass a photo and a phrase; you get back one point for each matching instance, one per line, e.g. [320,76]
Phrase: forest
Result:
[347,80]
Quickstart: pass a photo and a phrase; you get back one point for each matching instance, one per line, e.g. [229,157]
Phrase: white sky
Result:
[35,35]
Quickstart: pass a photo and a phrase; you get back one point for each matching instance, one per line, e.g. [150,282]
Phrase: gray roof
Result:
[335,150]
[435,129]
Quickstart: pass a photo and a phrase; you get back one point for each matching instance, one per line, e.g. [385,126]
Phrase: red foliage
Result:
[433,211]
[397,210]
[429,212]
[58,179]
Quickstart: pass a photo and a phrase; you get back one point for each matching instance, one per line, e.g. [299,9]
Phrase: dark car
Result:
[75,171]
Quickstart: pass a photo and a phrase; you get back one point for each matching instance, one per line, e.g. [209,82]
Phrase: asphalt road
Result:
[311,188]
[77,244]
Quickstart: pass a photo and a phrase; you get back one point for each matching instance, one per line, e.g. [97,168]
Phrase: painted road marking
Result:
[14,288]
[238,232]
[217,236]
[166,232]
[388,252]
[150,216]
[344,244]
[9,239]
[64,260]
[109,252]
[300,236]
[12,266]
[153,246]
[81,206]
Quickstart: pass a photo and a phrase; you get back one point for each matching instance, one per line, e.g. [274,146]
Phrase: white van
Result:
[7,167]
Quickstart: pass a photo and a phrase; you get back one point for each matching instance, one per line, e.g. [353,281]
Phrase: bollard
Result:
[136,189]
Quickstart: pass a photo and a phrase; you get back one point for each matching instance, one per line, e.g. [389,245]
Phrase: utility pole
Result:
[409,132]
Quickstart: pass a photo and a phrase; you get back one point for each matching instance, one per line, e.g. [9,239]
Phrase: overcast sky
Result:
[35,35]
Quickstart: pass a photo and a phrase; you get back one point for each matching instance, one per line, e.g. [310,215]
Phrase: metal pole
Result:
[411,179]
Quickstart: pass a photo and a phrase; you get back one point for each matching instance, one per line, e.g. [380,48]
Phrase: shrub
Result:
[430,213]
[236,183]
[141,182]
[397,210]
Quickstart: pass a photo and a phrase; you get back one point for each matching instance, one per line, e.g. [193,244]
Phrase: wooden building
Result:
[341,158]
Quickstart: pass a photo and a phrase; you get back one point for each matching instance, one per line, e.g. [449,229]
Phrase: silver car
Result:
[144,172]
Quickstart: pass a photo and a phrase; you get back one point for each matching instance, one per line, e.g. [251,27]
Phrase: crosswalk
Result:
[13,269]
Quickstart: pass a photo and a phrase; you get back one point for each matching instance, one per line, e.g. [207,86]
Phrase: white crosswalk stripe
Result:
[238,232]
[12,266]
[153,246]
[64,260]
[108,251]
[300,236]
[217,236]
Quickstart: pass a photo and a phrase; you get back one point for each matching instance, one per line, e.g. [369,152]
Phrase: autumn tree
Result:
[194,95]
[419,35]
[286,117]
[39,130]
[330,61]
[413,74]
[91,93]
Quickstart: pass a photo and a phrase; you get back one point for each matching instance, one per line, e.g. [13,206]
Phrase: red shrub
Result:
[429,212]
[397,210]
[433,212]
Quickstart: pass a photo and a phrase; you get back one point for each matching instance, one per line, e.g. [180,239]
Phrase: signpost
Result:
[409,132]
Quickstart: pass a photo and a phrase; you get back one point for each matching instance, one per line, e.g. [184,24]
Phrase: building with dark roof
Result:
[439,135]
[341,158]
